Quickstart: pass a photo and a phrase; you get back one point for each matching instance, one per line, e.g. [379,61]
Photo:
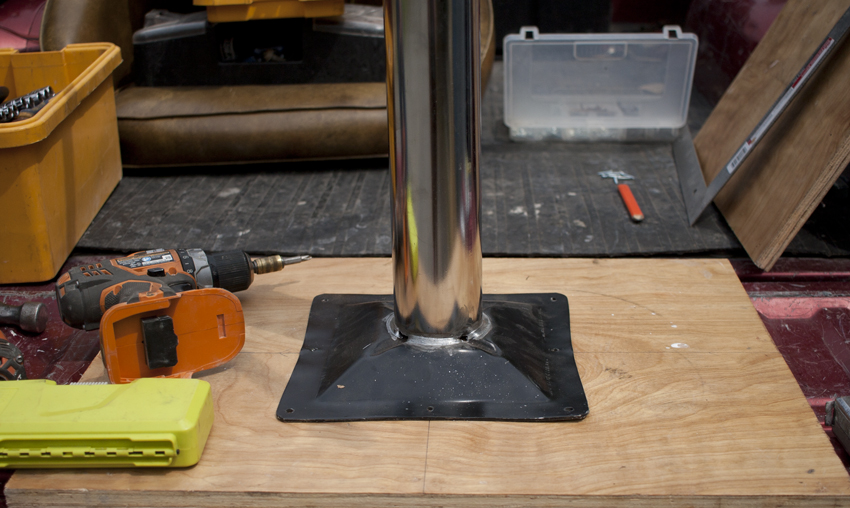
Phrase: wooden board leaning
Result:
[773,193]
[690,405]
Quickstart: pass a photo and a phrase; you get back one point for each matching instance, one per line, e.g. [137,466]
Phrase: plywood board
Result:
[773,193]
[690,405]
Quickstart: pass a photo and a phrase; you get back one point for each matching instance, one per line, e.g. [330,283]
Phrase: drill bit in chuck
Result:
[276,263]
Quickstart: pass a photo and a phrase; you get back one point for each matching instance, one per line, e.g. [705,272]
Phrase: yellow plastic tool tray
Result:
[58,167]
[151,422]
[242,10]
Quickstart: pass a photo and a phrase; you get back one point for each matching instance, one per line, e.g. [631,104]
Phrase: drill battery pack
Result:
[146,423]
[171,336]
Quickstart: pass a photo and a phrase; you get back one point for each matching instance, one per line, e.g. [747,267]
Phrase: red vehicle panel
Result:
[20,22]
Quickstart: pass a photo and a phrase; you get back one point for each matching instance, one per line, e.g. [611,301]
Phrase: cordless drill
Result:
[86,292]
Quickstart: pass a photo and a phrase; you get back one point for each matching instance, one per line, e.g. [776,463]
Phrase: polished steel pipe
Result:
[434,90]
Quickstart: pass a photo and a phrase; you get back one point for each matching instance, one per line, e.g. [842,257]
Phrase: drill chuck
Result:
[232,270]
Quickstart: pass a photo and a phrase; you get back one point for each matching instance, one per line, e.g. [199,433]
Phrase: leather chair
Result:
[171,126]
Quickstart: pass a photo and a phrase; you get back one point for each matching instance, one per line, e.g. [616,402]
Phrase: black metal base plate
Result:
[352,368]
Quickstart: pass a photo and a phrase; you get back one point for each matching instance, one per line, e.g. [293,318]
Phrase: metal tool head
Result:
[29,317]
[34,317]
[616,175]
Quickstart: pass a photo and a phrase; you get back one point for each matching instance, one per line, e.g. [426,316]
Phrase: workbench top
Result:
[690,405]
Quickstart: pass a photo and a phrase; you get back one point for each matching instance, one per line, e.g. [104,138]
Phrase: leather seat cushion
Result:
[170,126]
[216,125]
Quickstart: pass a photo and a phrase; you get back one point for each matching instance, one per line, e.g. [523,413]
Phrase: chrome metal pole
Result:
[434,90]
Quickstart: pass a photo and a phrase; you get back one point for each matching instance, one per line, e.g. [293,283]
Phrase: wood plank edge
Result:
[144,499]
[804,210]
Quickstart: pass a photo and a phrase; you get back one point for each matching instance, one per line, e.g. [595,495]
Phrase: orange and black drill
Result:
[85,293]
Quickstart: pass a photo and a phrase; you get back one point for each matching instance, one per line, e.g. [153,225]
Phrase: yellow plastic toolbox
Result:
[58,167]
[242,10]
[151,422]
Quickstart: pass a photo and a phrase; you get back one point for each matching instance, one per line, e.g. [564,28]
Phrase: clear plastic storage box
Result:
[598,86]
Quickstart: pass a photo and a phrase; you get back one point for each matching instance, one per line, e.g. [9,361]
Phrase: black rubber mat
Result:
[537,200]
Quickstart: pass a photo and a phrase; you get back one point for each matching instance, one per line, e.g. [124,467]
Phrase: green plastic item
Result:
[151,422]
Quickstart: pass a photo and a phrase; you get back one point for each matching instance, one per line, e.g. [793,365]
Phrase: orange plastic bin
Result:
[242,10]
[58,167]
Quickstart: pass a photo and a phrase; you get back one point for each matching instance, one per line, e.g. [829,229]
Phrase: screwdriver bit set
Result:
[25,106]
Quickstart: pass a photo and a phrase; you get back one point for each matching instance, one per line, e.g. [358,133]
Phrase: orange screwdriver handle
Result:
[631,202]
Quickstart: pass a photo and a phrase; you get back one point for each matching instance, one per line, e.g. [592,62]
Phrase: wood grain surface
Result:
[774,192]
[690,405]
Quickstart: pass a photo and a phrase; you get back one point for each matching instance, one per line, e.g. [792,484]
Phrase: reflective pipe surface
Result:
[434,89]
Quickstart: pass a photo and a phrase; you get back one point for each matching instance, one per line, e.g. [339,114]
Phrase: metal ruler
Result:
[697,195]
